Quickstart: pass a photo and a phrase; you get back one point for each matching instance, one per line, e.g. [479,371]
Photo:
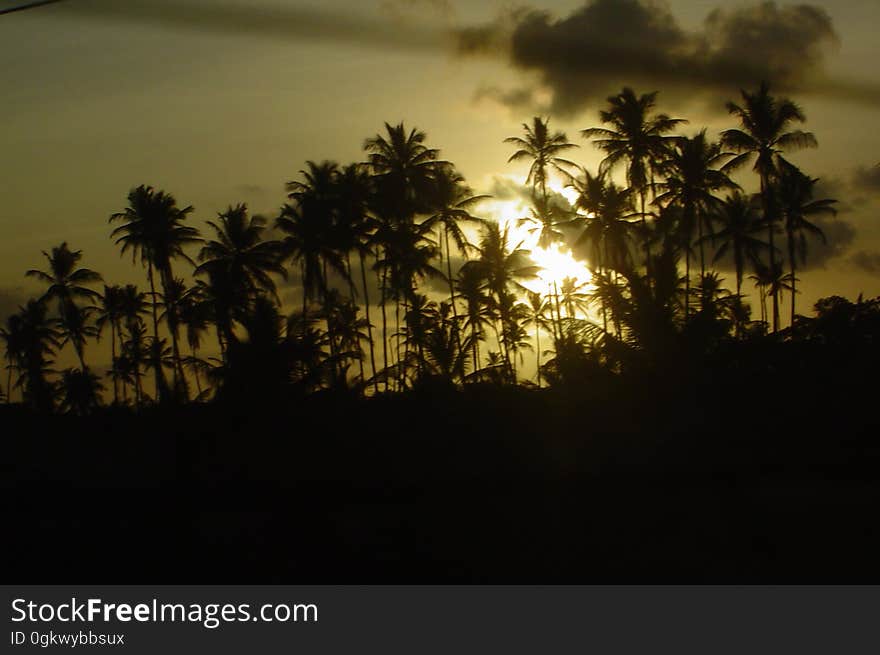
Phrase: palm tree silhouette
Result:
[737,215]
[470,287]
[794,191]
[764,121]
[67,285]
[542,147]
[636,136]
[80,392]
[694,174]
[153,230]
[536,304]
[111,311]
[36,339]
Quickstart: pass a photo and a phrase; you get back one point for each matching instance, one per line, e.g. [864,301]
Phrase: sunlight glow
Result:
[556,261]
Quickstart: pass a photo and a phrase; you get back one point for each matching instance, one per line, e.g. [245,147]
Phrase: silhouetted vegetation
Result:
[412,348]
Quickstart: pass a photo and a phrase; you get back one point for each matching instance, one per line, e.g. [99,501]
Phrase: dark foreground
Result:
[719,481]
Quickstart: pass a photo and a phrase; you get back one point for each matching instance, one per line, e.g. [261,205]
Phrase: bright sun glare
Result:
[557,261]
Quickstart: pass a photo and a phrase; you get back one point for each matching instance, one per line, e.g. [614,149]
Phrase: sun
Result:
[557,262]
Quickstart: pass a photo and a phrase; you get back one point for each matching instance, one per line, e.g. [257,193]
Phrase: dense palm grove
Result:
[386,226]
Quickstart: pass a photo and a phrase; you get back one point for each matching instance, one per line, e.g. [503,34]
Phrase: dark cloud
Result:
[839,235]
[867,261]
[867,179]
[588,54]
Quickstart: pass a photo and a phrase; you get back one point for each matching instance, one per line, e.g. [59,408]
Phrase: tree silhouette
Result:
[694,174]
[153,230]
[794,192]
[764,121]
[635,136]
[67,285]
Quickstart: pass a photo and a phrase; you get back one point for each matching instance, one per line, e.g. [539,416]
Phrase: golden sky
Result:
[223,101]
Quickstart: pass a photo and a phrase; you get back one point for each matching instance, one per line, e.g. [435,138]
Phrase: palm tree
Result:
[133,349]
[80,391]
[240,248]
[153,230]
[739,222]
[12,335]
[195,317]
[771,280]
[536,304]
[636,136]
[795,194]
[694,174]
[453,202]
[763,134]
[74,328]
[404,172]
[308,225]
[470,288]
[542,147]
[37,341]
[502,268]
[67,285]
[606,224]
[111,311]
[354,231]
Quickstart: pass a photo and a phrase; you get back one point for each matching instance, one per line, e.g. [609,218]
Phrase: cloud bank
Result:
[587,55]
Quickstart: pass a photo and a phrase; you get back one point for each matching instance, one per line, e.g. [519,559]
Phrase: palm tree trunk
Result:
[369,323]
[384,294]
[538,348]
[452,289]
[353,294]
[792,264]
[113,359]
[157,368]
[773,290]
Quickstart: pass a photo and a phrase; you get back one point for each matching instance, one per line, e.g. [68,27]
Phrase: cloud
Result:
[839,235]
[237,18]
[867,261]
[588,54]
[867,179]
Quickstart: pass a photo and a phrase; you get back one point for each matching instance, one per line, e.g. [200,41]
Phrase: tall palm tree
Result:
[453,201]
[536,304]
[739,223]
[133,348]
[354,229]
[37,340]
[764,134]
[111,311]
[502,268]
[542,147]
[694,174]
[794,191]
[606,223]
[153,230]
[195,317]
[67,284]
[404,171]
[308,226]
[635,136]
[470,287]
[12,335]
[240,247]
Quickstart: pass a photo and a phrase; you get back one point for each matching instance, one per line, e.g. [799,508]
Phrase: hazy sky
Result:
[222,102]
